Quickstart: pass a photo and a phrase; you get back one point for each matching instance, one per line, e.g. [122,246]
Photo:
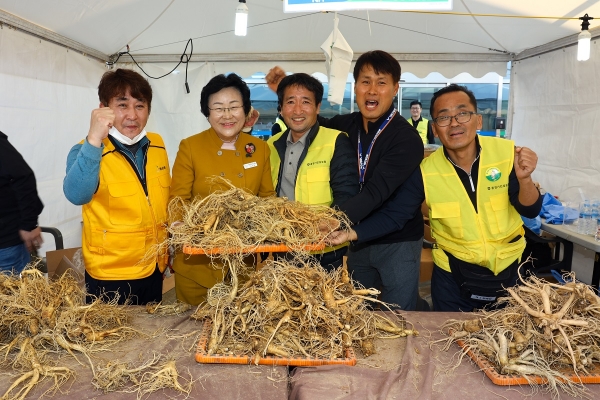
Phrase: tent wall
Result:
[46,94]
[556,112]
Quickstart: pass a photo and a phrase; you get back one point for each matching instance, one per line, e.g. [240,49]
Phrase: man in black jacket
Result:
[19,209]
[309,163]
[389,149]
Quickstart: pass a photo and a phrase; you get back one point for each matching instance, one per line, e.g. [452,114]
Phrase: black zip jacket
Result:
[397,152]
[342,170]
[20,204]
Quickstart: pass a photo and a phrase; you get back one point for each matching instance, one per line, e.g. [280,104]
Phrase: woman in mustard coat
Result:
[223,150]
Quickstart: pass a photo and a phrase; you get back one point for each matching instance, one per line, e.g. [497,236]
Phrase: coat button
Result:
[240,175]
[219,152]
[222,173]
[237,153]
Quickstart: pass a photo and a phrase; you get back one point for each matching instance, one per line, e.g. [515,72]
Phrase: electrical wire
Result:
[383,24]
[484,15]
[424,33]
[185,61]
[482,27]
[231,30]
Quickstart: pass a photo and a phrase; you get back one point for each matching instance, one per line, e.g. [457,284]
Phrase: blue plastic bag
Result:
[556,213]
[534,224]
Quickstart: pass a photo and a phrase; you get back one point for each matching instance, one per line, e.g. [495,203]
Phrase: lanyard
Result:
[362,164]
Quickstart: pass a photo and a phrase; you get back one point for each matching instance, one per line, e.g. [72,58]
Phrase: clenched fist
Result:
[102,120]
[275,75]
[525,162]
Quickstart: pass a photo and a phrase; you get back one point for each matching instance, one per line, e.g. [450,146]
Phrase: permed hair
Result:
[221,82]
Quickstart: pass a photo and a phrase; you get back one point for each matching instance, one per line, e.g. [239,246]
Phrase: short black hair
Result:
[416,103]
[303,80]
[453,88]
[115,83]
[221,82]
[381,62]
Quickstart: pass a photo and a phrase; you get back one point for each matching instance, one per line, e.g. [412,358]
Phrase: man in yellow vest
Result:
[120,175]
[309,163]
[422,125]
[476,188]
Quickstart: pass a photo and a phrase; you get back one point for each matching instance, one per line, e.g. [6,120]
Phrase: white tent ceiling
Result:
[47,91]
[157,30]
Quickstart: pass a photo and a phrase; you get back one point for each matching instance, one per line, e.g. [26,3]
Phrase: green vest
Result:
[483,237]
[312,179]
[421,128]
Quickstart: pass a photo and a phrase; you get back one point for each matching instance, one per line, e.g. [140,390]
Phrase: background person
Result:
[394,150]
[223,150]
[309,163]
[120,175]
[20,207]
[422,125]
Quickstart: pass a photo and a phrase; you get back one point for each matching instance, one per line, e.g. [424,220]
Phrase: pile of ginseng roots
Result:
[44,320]
[233,221]
[546,330]
[41,317]
[295,309]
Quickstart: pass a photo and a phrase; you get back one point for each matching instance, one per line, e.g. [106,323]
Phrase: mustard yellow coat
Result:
[200,156]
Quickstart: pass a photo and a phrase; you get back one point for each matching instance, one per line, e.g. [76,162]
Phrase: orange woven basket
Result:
[263,248]
[202,357]
[509,380]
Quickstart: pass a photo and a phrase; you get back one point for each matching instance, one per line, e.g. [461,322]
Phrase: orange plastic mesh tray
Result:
[509,380]
[202,357]
[263,248]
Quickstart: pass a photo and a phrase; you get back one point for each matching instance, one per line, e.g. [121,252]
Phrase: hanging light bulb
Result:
[584,38]
[241,18]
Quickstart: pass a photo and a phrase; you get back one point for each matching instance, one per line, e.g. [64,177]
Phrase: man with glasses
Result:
[422,125]
[309,163]
[476,188]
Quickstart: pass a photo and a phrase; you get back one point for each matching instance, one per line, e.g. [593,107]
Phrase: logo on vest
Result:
[316,162]
[158,169]
[493,174]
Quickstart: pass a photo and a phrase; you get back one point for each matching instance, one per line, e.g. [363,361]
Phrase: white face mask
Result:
[124,139]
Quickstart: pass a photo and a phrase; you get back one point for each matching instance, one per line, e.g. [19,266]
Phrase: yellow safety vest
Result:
[281,124]
[120,224]
[312,180]
[421,128]
[482,237]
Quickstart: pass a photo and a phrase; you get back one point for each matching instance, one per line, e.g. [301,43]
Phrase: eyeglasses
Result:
[462,118]
[221,110]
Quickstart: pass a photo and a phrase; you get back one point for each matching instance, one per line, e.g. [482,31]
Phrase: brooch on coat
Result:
[250,149]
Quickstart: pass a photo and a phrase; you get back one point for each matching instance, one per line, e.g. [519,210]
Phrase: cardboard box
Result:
[59,261]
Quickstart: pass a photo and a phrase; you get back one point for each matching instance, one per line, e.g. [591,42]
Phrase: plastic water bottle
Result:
[585,216]
[595,211]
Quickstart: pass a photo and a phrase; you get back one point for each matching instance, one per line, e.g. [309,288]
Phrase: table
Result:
[589,242]
[421,372]
[403,369]
[211,381]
